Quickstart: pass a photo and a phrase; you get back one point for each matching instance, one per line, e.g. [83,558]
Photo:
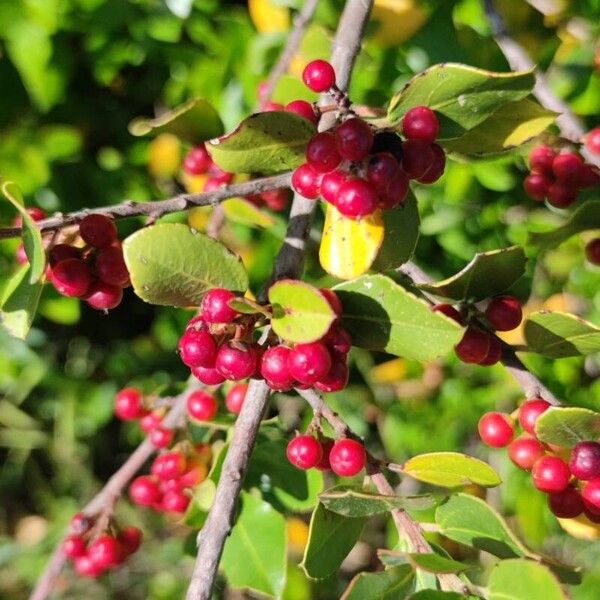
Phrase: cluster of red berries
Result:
[573,485]
[558,177]
[219,345]
[359,171]
[346,457]
[478,346]
[94,553]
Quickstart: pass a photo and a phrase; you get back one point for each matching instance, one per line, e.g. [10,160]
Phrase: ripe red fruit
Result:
[562,194]
[80,523]
[236,361]
[525,451]
[417,158]
[130,538]
[496,429]
[202,406]
[566,504]
[61,252]
[161,437]
[129,404]
[550,474]
[306,181]
[197,160]
[73,546]
[395,192]
[169,465]
[215,306]
[110,266]
[321,152]
[347,457]
[175,501]
[356,198]
[592,251]
[388,141]
[449,311]
[86,567]
[71,277]
[276,200]
[21,255]
[98,231]
[530,411]
[235,398]
[380,170]
[537,186]
[354,139]
[304,109]
[324,464]
[437,168]
[331,184]
[567,167]
[337,378]
[589,176]
[585,461]
[334,301]
[592,141]
[144,491]
[590,492]
[198,348]
[338,340]
[304,452]
[150,421]
[309,363]
[504,313]
[274,368]
[208,375]
[474,346]
[103,296]
[318,76]
[541,159]
[420,123]
[271,106]
[104,551]
[36,213]
[494,354]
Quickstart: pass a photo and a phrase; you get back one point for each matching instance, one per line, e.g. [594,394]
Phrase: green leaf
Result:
[301,313]
[585,217]
[470,521]
[474,281]
[437,595]
[451,469]
[558,335]
[434,563]
[254,556]
[354,502]
[267,142]
[32,238]
[330,539]
[520,579]
[194,122]
[240,210]
[462,96]
[401,235]
[19,303]
[173,265]
[567,426]
[510,126]
[248,307]
[391,584]
[381,315]
[197,511]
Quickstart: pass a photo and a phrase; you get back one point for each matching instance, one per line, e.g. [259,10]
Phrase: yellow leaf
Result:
[297,531]
[389,372]
[198,217]
[164,155]
[396,21]
[268,17]
[581,528]
[348,247]
[194,184]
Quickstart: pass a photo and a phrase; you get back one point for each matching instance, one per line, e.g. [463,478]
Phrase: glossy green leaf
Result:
[566,426]
[301,313]
[354,502]
[391,584]
[558,335]
[247,306]
[382,315]
[173,265]
[451,469]
[474,281]
[254,556]
[330,539]
[194,121]
[240,210]
[197,510]
[462,96]
[19,303]
[434,563]
[520,579]
[584,218]
[470,521]
[437,595]
[268,142]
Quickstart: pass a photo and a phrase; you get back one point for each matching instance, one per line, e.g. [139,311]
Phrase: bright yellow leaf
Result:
[268,17]
[194,184]
[397,21]
[164,155]
[581,528]
[389,372]
[198,217]
[297,531]
[348,247]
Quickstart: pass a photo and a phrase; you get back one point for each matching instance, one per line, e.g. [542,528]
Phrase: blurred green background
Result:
[73,74]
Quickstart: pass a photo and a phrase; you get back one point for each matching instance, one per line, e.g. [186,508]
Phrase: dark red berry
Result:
[331,184]
[541,159]
[71,277]
[150,421]
[496,429]
[585,461]
[589,176]
[236,361]
[104,551]
[356,198]
[592,141]
[61,252]
[175,501]
[274,368]
[276,200]
[215,306]
[103,296]
[161,437]
[333,300]
[550,474]
[395,193]
[326,445]
[321,152]
[129,404]
[449,311]
[337,378]
[354,139]
[217,174]
[529,413]
[111,268]
[525,451]
[420,123]
[338,340]
[197,160]
[494,354]
[417,158]
[562,194]
[304,452]
[567,167]
[437,168]
[309,363]
[306,181]
[198,348]
[130,538]
[388,141]
[304,109]
[380,170]
[347,457]
[208,375]
[202,406]
[74,546]
[169,465]
[566,504]
[592,251]
[98,231]
[235,398]
[318,76]
[504,313]
[537,186]
[590,492]
[474,346]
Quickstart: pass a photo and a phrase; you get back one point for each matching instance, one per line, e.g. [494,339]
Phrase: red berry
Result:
[331,184]
[271,106]
[338,340]
[324,464]
[235,398]
[103,296]
[347,457]
[550,474]
[396,191]
[144,491]
[437,168]
[562,194]
[496,429]
[208,375]
[150,421]
[80,523]
[274,368]
[304,452]
[566,504]
[215,306]
[474,346]
[530,411]
[592,251]
[504,313]
[175,501]
[417,158]
[218,175]
[61,252]
[537,186]
[334,301]
[73,546]
[589,176]
[168,466]
[420,123]
[541,159]
[388,141]
[592,141]
[304,109]
[21,255]
[449,311]
[104,551]
[494,354]
[356,198]
[130,538]
[36,213]
[129,404]
[309,363]
[98,231]
[202,406]
[567,167]
[306,181]
[71,277]
[197,160]
[590,492]
[354,139]
[525,451]
[585,461]
[321,152]
[380,170]
[198,348]
[318,76]
[161,437]
[110,266]
[276,200]
[235,362]
[86,567]
[337,378]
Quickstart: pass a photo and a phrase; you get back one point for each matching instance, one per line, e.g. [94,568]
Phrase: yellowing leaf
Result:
[194,184]
[389,372]
[268,17]
[396,21]
[243,211]
[198,217]
[165,155]
[581,528]
[348,247]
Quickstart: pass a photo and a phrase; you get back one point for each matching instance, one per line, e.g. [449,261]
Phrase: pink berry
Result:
[306,181]
[104,551]
[161,437]
[331,184]
[562,194]
[592,141]
[130,538]
[585,461]
[504,313]
[36,213]
[129,404]
[208,375]
[449,311]
[235,398]
[337,378]
[198,348]
[417,158]
[474,346]
[215,306]
[202,406]
[274,368]
[304,452]
[85,567]
[60,252]
[236,361]
[354,139]
[308,363]
[590,492]
[80,523]
[395,192]
[175,501]
[437,168]
[550,474]
[567,167]
[197,160]
[21,255]
[525,451]
[318,76]
[541,159]
[150,421]
[169,465]
[98,231]
[103,296]
[356,199]
[496,429]
[420,123]
[347,457]
[537,186]
[73,546]
[304,109]
[276,200]
[566,504]
[110,266]
[321,152]
[529,413]
[71,277]
[592,251]
[271,106]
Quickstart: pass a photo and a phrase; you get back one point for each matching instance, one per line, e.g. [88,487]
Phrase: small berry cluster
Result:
[573,487]
[346,457]
[359,171]
[558,177]
[478,345]
[93,553]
